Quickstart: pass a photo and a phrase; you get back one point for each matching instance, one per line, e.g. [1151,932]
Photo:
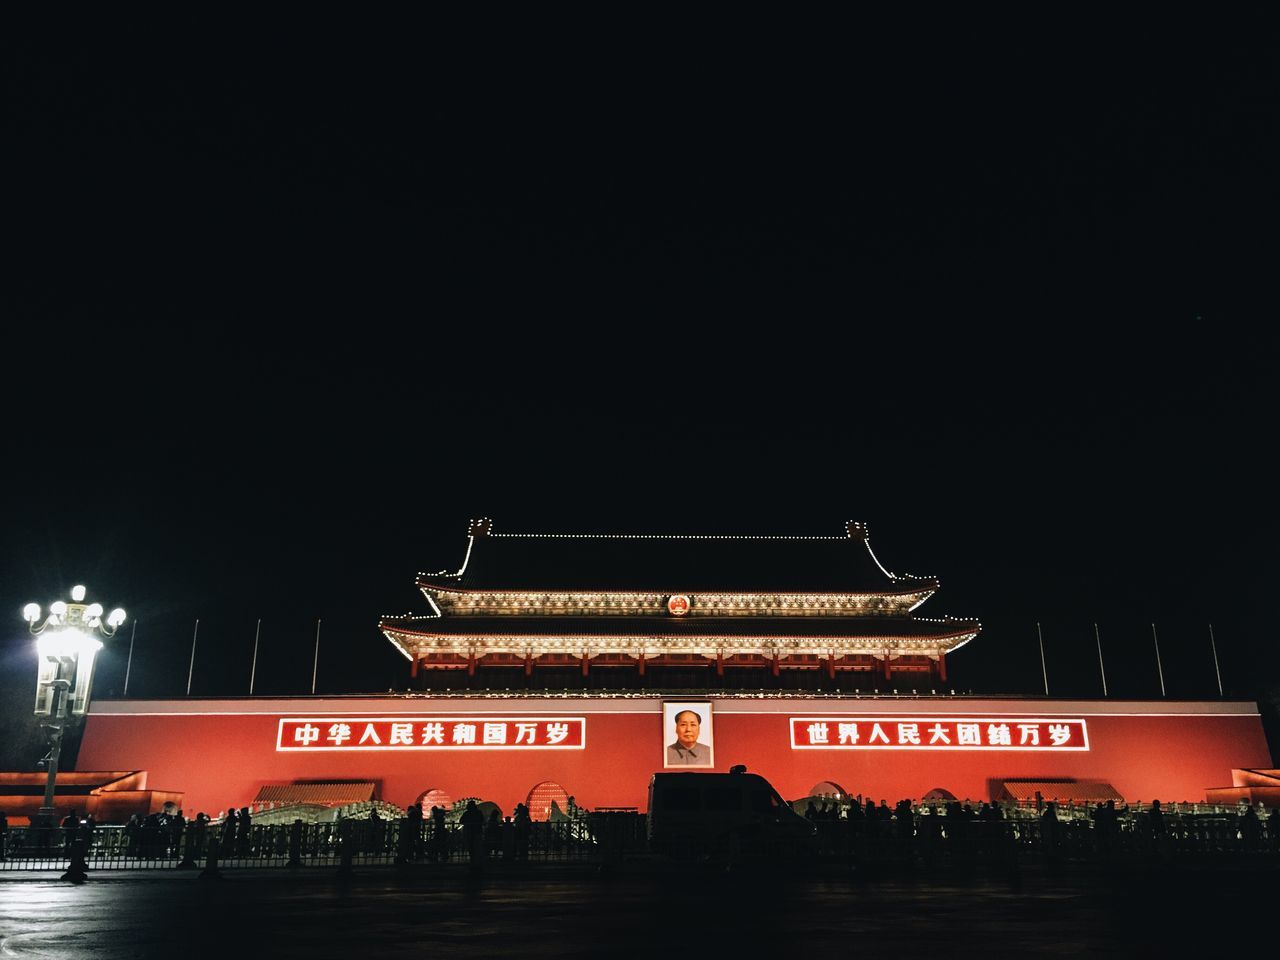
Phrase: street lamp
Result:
[67,649]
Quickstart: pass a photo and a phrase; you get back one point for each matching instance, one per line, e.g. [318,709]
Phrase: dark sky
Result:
[288,309]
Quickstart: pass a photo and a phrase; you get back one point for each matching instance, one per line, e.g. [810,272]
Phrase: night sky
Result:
[286,310]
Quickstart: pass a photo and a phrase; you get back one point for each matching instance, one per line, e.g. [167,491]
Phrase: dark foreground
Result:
[643,910]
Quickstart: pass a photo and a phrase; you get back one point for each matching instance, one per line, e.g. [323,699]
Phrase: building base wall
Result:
[220,752]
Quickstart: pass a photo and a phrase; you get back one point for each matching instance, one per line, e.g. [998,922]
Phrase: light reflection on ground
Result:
[1150,910]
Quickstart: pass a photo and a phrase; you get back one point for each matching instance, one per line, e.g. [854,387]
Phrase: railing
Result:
[931,836]
[926,838]
[364,841]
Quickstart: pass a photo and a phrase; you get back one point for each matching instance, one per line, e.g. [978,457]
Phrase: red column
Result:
[471,664]
[528,665]
[942,668]
[887,675]
[413,669]
[640,664]
[719,664]
[831,667]
[586,665]
[773,666]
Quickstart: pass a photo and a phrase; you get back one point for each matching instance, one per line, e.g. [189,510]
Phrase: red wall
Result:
[219,752]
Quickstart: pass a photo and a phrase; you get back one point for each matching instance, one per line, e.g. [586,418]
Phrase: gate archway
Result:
[544,797]
[435,797]
[829,790]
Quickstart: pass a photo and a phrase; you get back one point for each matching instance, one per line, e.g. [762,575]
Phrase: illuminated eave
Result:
[453,601]
[416,644]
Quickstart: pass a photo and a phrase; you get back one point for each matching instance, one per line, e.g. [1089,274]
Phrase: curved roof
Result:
[335,794]
[841,563]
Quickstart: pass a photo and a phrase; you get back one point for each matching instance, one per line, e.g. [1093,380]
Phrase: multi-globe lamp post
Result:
[67,647]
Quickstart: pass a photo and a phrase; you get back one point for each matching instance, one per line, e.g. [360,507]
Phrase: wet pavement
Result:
[1150,909]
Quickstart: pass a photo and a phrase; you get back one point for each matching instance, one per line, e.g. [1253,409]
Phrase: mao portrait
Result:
[688,739]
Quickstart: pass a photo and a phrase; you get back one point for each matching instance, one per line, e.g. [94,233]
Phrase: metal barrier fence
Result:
[364,841]
[932,837]
[926,838]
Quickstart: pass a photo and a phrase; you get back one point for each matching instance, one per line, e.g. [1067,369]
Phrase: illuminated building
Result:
[566,658]
[701,611]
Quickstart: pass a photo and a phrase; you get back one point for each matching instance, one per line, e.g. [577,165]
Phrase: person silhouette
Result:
[229,826]
[1250,829]
[1156,819]
[243,834]
[374,832]
[439,835]
[523,825]
[413,818]
[493,833]
[177,826]
[472,821]
[70,824]
[1049,828]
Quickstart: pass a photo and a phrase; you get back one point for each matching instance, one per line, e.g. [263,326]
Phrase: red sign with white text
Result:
[432,733]
[937,733]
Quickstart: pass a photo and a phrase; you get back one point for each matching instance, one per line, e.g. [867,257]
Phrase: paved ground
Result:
[549,911]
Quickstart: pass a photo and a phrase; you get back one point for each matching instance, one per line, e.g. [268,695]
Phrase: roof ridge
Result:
[667,536]
[484,527]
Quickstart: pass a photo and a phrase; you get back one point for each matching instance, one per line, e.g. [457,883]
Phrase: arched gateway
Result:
[543,797]
[434,797]
[828,790]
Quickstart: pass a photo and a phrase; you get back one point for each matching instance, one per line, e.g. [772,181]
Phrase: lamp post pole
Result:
[67,649]
[59,694]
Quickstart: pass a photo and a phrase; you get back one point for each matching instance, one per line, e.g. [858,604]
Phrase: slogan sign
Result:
[937,733]
[432,733]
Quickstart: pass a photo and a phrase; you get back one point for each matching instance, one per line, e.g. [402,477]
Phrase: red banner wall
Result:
[220,752]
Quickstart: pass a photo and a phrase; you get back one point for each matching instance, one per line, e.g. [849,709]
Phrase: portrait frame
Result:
[673,759]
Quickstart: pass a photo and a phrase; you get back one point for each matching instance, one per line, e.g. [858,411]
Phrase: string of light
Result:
[623,603]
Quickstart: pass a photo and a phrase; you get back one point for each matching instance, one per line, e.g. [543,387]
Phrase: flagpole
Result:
[129,663]
[1159,666]
[1216,669]
[1101,666]
[192,669]
[1043,669]
[253,670]
[315,664]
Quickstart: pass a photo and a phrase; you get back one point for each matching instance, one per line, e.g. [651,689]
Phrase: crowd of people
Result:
[160,835]
[166,834]
[1047,823]
[49,834]
[483,838]
[467,831]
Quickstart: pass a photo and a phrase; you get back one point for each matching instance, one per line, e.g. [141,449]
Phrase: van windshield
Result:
[766,800]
